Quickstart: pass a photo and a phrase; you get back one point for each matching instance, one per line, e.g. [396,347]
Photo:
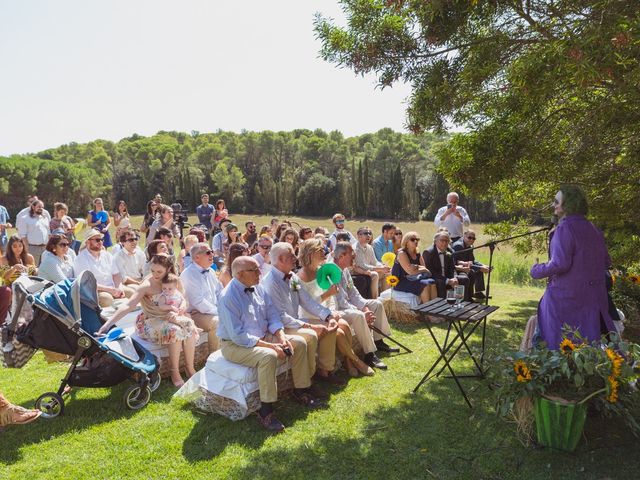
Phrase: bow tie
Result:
[206,270]
[249,290]
[287,276]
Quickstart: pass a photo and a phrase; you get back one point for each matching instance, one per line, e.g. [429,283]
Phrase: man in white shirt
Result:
[366,263]
[100,262]
[34,230]
[452,217]
[202,289]
[130,259]
[262,257]
[338,221]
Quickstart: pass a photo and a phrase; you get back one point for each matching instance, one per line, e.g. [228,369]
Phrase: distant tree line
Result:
[384,174]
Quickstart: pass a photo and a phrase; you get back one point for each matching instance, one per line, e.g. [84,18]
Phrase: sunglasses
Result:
[339,221]
[414,240]
[63,244]
[99,240]
[265,247]
[398,234]
[471,238]
[208,252]
[131,240]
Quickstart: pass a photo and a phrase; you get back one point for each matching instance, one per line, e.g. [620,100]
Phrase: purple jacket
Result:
[576,294]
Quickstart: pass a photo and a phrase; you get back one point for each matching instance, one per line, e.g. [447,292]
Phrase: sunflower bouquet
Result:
[602,376]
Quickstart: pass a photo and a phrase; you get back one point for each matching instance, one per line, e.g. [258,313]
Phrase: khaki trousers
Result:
[266,361]
[326,346]
[209,324]
[364,334]
[381,318]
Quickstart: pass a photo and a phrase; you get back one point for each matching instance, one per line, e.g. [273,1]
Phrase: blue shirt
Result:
[4,218]
[381,246]
[246,317]
[204,214]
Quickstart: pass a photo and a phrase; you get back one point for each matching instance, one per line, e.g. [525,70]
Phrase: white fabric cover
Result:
[404,297]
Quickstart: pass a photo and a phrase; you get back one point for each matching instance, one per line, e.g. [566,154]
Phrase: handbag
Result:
[16,354]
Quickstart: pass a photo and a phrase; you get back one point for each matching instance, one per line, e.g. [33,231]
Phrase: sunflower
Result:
[522,371]
[616,362]
[567,346]
[392,280]
[634,279]
[613,384]
[388,259]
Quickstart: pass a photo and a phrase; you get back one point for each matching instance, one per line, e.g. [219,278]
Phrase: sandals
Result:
[363,368]
[179,383]
[351,369]
[16,415]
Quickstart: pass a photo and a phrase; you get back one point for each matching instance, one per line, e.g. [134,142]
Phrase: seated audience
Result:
[360,313]
[409,267]
[184,258]
[164,220]
[57,259]
[384,243]
[251,235]
[438,258]
[218,241]
[150,216]
[262,257]
[95,258]
[121,219]
[313,254]
[367,264]
[251,334]
[130,260]
[233,236]
[235,250]
[397,240]
[202,290]
[283,287]
[305,233]
[15,262]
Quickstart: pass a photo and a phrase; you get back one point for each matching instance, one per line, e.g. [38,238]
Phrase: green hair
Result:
[574,201]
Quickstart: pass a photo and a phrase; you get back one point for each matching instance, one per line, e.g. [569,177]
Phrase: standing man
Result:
[251,235]
[4,224]
[361,313]
[202,289]
[284,288]
[251,334]
[205,212]
[452,217]
[384,243]
[34,230]
[338,221]
[467,260]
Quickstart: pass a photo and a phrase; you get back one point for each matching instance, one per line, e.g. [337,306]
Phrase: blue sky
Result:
[77,70]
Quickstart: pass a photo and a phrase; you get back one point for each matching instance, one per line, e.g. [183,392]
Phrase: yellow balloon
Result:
[389,259]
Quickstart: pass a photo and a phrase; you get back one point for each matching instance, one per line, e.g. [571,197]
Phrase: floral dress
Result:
[152,324]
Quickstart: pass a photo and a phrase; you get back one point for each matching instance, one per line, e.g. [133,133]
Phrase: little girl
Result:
[174,304]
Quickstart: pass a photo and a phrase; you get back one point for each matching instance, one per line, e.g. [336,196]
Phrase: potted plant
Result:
[556,386]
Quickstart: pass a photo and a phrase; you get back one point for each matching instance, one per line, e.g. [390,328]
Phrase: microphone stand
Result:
[492,246]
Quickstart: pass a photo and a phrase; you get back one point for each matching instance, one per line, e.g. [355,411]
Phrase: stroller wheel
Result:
[136,398]
[50,404]
[154,381]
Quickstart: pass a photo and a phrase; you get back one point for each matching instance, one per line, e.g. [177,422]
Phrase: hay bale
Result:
[399,312]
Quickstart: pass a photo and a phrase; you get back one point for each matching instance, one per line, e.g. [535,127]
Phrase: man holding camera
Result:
[452,217]
[251,333]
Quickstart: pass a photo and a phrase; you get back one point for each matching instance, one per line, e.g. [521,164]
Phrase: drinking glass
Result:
[451,299]
[459,292]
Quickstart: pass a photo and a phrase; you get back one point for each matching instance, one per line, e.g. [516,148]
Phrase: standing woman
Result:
[409,268]
[62,221]
[15,262]
[149,217]
[121,218]
[99,219]
[164,220]
[220,213]
[178,334]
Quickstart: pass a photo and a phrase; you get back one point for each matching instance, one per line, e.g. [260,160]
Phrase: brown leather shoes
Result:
[270,423]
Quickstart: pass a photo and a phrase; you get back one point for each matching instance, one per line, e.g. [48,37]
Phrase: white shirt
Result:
[366,257]
[130,264]
[103,267]
[452,222]
[201,289]
[265,267]
[54,268]
[34,229]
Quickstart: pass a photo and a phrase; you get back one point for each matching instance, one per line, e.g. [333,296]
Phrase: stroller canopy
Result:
[65,299]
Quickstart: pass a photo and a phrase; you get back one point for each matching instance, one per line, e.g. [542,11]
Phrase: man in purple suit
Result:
[576,294]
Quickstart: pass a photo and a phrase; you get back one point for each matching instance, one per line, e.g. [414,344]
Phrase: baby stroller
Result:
[66,316]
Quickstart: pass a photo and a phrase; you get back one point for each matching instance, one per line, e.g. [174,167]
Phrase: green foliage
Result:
[548,93]
[626,296]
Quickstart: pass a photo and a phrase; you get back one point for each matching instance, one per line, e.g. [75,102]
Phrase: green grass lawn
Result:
[375,428]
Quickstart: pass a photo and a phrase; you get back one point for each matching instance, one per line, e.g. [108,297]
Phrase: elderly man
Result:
[100,262]
[361,313]
[205,212]
[202,289]
[452,217]
[262,257]
[130,259]
[34,230]
[251,334]
[338,222]
[284,288]
[384,243]
[438,259]
[466,262]
[367,264]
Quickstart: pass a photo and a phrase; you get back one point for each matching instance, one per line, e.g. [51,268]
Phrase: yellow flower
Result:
[613,383]
[523,374]
[567,346]
[634,279]
[392,280]
[616,362]
[388,259]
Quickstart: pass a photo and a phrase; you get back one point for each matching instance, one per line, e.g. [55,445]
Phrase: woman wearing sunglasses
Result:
[57,259]
[410,269]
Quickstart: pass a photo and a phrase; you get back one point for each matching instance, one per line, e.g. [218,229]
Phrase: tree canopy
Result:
[548,92]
